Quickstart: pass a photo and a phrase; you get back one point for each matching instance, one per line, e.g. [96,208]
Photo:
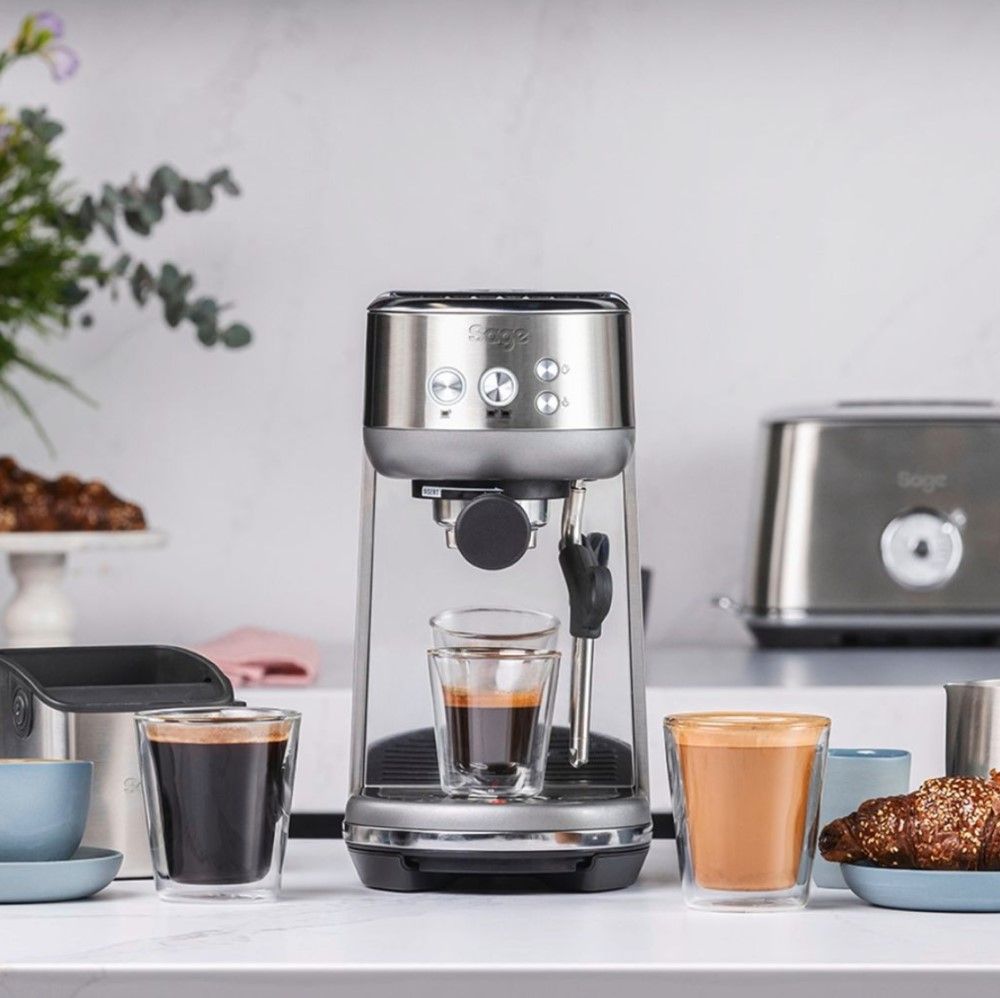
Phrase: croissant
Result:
[949,823]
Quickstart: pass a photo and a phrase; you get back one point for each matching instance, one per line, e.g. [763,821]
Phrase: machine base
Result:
[428,870]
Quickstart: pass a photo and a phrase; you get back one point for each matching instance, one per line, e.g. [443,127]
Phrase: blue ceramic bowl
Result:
[854,775]
[43,808]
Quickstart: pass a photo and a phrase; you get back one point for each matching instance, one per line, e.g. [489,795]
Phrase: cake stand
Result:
[40,613]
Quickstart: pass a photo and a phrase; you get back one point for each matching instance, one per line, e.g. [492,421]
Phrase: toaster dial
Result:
[921,549]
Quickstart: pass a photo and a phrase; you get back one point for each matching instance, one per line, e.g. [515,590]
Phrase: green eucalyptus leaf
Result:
[173,310]
[87,214]
[141,283]
[224,179]
[89,264]
[165,180]
[152,211]
[40,125]
[236,335]
[136,222]
[170,279]
[202,197]
[203,310]
[184,198]
[120,265]
[72,294]
[208,333]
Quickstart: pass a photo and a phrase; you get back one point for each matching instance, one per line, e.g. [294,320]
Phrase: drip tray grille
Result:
[410,759]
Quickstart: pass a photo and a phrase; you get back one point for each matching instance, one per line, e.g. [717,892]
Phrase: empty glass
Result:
[746,790]
[483,627]
[492,718]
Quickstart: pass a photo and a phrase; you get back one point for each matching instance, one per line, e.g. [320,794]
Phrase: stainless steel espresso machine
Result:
[499,434]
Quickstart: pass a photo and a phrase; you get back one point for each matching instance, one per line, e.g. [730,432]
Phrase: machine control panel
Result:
[921,549]
[498,387]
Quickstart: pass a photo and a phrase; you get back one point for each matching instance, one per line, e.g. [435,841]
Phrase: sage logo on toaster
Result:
[921,481]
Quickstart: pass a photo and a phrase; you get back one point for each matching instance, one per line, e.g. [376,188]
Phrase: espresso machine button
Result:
[547,369]
[547,403]
[498,386]
[446,386]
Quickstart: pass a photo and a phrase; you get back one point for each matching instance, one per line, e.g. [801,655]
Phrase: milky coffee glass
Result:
[217,785]
[492,719]
[746,791]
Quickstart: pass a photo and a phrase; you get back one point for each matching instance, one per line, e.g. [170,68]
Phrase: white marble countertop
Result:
[331,936]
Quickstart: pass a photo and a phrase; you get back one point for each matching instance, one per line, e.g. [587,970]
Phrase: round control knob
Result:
[547,403]
[498,386]
[921,550]
[492,532]
[547,369]
[446,386]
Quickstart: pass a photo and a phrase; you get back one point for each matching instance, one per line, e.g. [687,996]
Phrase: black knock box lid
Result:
[116,678]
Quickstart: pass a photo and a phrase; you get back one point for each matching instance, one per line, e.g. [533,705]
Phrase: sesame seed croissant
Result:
[949,823]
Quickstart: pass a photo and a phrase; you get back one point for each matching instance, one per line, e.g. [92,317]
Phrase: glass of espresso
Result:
[217,784]
[493,715]
[746,791]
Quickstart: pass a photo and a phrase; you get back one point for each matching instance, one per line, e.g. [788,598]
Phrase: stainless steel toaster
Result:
[877,523]
[78,703]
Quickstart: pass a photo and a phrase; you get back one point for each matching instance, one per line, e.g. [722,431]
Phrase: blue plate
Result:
[924,890]
[89,871]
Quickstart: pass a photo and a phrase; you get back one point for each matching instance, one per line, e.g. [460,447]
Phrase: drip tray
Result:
[410,759]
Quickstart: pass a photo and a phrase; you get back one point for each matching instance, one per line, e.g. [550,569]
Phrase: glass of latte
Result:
[746,790]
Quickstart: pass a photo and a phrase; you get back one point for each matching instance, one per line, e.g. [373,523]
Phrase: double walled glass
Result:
[492,718]
[217,785]
[495,627]
[746,791]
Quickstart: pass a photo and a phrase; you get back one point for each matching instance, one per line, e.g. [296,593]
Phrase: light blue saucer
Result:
[924,890]
[89,870]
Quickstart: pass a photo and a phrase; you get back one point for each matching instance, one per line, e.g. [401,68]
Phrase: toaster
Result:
[877,523]
[78,703]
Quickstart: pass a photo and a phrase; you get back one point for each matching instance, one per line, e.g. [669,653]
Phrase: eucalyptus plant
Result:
[59,245]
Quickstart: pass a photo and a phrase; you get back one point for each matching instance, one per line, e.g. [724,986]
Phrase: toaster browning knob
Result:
[921,549]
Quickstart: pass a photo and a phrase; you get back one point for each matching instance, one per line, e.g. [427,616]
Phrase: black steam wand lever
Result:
[584,563]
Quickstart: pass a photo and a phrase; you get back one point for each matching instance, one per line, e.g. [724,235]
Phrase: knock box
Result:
[78,703]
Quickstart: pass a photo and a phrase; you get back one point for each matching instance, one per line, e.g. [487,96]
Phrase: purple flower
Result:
[6,131]
[63,61]
[52,23]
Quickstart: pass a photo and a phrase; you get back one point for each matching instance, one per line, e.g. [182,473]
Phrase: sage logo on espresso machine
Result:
[504,336]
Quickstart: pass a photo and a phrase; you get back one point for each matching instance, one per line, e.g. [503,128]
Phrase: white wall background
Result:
[801,200]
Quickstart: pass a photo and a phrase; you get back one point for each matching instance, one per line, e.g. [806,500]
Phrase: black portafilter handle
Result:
[588,580]
[492,532]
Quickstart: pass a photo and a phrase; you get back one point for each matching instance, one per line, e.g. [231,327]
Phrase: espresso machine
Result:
[498,472]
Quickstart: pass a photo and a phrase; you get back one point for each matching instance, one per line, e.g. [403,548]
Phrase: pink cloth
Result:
[258,657]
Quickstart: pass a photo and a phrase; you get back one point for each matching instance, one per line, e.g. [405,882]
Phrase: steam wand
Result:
[583,559]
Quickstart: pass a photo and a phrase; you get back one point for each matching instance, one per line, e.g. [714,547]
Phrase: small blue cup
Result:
[854,776]
[43,808]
